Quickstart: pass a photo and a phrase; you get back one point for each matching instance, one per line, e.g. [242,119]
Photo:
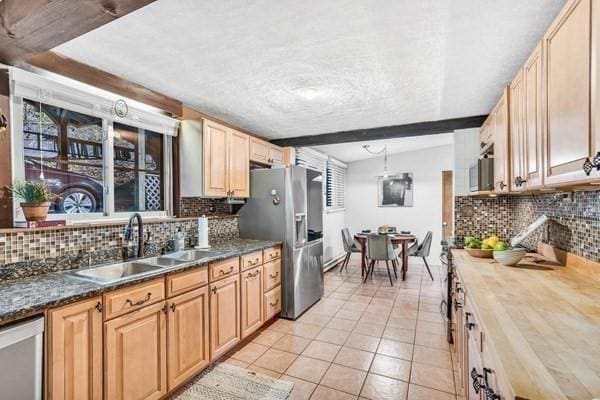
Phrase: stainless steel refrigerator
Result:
[286,204]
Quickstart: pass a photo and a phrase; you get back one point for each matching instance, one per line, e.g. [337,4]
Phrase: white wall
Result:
[332,234]
[426,165]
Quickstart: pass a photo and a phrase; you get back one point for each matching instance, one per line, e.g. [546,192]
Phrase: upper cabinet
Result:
[214,160]
[517,134]
[501,144]
[532,129]
[568,54]
[550,136]
[265,153]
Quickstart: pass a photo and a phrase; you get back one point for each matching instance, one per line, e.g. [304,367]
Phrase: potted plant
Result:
[36,198]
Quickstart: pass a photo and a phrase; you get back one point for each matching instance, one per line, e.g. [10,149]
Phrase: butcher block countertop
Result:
[542,319]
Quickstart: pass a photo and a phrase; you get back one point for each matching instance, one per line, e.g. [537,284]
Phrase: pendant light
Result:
[385,172]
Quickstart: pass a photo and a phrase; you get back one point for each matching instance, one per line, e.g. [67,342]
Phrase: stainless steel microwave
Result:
[481,175]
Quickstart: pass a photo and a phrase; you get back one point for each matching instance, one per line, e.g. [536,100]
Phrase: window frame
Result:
[87,105]
[334,189]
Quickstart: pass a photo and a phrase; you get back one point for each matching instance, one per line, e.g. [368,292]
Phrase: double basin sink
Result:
[112,273]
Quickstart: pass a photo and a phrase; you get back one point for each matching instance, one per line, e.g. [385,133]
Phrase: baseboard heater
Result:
[333,262]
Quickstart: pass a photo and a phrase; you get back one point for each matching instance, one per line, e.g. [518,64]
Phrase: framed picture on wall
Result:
[395,190]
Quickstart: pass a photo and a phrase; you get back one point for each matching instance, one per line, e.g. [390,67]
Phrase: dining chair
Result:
[349,247]
[422,250]
[379,248]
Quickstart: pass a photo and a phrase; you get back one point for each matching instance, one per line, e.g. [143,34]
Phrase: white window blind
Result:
[336,181]
[312,159]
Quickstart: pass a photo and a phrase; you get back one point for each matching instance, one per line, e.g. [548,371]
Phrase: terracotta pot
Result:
[35,211]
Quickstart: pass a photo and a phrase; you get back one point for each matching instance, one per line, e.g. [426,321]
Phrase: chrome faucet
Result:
[129,233]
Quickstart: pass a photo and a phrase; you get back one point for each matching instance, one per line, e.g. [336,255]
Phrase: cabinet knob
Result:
[214,290]
[502,185]
[172,307]
[99,307]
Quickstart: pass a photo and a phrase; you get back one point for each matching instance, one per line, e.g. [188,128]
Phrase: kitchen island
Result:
[531,331]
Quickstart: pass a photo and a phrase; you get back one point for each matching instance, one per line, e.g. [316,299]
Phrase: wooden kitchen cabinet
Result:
[516,133]
[251,300]
[533,127]
[215,152]
[238,164]
[275,155]
[224,315]
[74,355]
[501,144]
[567,51]
[188,332]
[135,355]
[264,152]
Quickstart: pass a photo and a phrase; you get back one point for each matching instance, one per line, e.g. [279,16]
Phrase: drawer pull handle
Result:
[274,304]
[476,377]
[139,302]
[274,276]
[253,274]
[255,261]
[99,307]
[223,273]
[468,324]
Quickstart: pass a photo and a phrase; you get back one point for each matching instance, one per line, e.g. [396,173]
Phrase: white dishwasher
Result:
[21,350]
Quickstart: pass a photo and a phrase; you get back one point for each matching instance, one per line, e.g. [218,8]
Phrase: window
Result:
[64,149]
[336,179]
[138,169]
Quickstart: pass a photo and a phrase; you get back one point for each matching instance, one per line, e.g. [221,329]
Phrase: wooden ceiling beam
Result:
[70,68]
[386,132]
[30,27]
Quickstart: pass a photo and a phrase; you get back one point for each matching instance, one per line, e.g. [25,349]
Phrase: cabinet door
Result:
[567,53]
[74,365]
[474,372]
[258,150]
[216,179]
[517,125]
[501,146]
[252,296]
[135,356]
[188,335]
[275,155]
[224,315]
[239,164]
[533,131]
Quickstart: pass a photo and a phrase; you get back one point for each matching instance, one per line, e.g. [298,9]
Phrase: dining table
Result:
[400,239]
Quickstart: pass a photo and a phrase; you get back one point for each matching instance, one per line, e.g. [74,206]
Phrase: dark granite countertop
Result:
[30,296]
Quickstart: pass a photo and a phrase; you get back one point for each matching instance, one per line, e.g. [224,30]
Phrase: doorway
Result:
[447,204]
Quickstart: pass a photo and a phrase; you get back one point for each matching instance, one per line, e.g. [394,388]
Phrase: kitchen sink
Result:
[162,261]
[191,255]
[115,272]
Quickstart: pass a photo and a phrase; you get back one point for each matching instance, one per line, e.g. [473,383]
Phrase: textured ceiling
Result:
[354,151]
[284,68]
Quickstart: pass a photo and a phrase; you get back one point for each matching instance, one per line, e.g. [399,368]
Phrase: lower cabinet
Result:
[252,300]
[187,336]
[135,355]
[272,303]
[224,315]
[74,356]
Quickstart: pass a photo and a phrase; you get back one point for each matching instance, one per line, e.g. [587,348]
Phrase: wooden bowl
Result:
[480,253]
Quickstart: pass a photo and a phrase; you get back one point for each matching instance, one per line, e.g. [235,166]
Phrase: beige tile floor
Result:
[361,341]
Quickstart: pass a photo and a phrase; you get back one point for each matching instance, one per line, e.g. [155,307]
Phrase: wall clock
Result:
[121,108]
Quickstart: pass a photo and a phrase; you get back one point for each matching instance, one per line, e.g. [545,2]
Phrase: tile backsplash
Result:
[574,224]
[33,252]
[198,206]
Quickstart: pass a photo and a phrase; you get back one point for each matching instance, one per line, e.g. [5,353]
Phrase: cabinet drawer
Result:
[272,253]
[133,298]
[272,303]
[251,260]
[272,274]
[222,269]
[186,281]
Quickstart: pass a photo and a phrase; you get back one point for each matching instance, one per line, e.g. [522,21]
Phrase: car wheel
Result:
[76,201]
